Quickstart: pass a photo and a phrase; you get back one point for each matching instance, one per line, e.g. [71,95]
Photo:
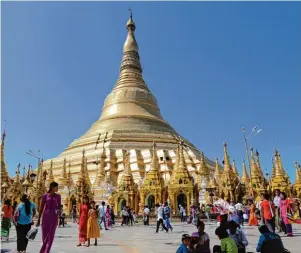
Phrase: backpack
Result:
[272,243]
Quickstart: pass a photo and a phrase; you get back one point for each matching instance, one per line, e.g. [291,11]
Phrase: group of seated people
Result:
[233,239]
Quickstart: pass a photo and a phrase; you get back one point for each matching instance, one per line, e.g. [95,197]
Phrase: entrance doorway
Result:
[181,200]
[150,201]
[122,204]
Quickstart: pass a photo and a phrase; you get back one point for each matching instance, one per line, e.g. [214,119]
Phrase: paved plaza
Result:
[140,239]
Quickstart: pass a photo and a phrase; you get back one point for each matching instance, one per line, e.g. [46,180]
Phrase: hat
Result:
[195,234]
[186,236]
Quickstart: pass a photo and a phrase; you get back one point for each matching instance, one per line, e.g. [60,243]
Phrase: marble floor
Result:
[140,239]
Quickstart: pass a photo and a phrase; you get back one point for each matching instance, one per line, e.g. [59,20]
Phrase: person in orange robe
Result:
[252,219]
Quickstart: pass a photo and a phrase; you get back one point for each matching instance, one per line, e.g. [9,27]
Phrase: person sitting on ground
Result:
[227,244]
[269,241]
[200,240]
[238,236]
[185,244]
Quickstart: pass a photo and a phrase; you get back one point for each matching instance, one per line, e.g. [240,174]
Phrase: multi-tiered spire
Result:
[227,166]
[5,182]
[203,170]
[217,171]
[234,168]
[281,179]
[245,177]
[50,177]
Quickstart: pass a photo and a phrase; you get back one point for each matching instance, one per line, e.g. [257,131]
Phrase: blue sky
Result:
[214,67]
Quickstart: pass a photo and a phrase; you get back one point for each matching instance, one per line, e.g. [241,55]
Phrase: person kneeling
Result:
[227,244]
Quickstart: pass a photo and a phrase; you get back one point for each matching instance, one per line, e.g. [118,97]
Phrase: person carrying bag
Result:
[24,213]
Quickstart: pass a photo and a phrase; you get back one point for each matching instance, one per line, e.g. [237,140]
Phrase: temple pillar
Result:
[142,202]
[188,203]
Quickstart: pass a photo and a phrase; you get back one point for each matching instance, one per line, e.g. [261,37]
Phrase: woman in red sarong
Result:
[83,221]
[253,221]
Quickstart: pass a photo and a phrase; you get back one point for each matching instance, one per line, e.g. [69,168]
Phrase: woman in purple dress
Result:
[50,208]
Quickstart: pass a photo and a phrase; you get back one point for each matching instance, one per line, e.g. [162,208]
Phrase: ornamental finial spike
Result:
[131,13]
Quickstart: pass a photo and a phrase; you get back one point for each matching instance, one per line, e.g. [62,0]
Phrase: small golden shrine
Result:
[280,180]
[297,186]
[180,186]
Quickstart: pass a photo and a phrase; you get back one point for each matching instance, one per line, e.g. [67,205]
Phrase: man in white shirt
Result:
[238,206]
[102,214]
[277,209]
[160,218]
[146,212]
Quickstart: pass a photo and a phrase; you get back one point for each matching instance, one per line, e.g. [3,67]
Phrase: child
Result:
[227,244]
[185,244]
[135,217]
[238,236]
[200,240]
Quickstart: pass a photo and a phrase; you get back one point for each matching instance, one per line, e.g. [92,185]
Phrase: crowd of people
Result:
[269,214]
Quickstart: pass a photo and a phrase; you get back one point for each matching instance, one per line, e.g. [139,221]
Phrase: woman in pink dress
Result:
[50,209]
[108,216]
[284,209]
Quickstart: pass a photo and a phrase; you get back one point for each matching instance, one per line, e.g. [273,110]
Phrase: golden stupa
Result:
[129,123]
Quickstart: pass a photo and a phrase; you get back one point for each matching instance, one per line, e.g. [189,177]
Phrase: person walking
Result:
[284,210]
[182,210]
[166,211]
[146,212]
[112,215]
[73,213]
[102,214]
[124,215]
[83,221]
[276,202]
[108,216]
[24,213]
[50,210]
[7,216]
[160,218]
[239,208]
[267,212]
[93,228]
[253,221]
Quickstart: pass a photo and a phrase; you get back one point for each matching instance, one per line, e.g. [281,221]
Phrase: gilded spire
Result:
[204,171]
[273,168]
[87,172]
[69,177]
[130,43]
[51,178]
[182,163]
[4,173]
[82,174]
[278,165]
[155,161]
[17,178]
[217,170]
[27,182]
[254,171]
[258,163]
[245,177]
[234,167]
[227,166]
[63,178]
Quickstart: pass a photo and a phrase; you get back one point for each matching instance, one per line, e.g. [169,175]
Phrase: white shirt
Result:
[277,201]
[146,211]
[102,211]
[238,207]
[160,213]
